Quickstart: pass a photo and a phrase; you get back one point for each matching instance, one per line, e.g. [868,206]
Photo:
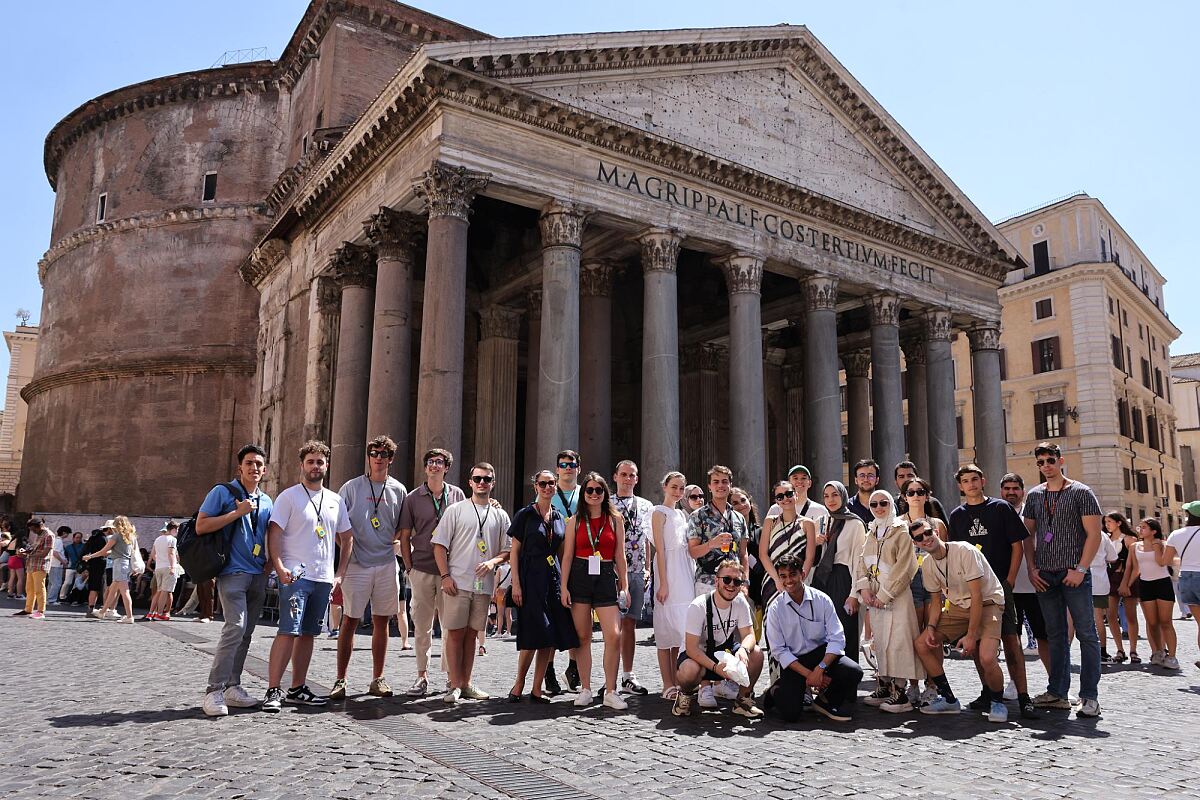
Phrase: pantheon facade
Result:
[658,245]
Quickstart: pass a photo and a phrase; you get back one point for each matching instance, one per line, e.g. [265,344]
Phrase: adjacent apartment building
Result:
[1185,390]
[22,349]
[1085,360]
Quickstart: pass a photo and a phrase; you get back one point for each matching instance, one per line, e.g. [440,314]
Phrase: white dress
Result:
[669,617]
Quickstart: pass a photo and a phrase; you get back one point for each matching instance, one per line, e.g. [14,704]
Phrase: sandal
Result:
[1120,658]
[1134,658]
[670,693]
[482,650]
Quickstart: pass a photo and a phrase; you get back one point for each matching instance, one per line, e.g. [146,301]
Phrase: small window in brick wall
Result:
[210,187]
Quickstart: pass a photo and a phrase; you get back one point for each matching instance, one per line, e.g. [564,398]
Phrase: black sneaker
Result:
[631,684]
[1028,709]
[274,701]
[552,687]
[981,703]
[572,674]
[303,696]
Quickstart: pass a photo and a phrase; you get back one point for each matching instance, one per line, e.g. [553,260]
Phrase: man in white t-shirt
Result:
[720,621]
[306,521]
[470,542]
[801,480]
[165,556]
[1184,544]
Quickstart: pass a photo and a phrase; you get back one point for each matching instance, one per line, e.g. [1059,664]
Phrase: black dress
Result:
[542,620]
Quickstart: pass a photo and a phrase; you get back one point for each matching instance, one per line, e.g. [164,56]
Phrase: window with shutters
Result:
[1123,417]
[958,422]
[1111,310]
[1136,416]
[1143,484]
[1146,374]
[1152,432]
[1126,480]
[1117,360]
[1158,382]
[1048,419]
[1003,364]
[1041,258]
[1045,355]
[1179,493]
[1043,309]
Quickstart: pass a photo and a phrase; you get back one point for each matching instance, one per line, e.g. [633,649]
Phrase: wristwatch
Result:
[822,665]
[1079,568]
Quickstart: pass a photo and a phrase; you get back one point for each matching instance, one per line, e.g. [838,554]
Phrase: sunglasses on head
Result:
[380,454]
[593,490]
[482,479]
[789,493]
[728,581]
[880,503]
[922,535]
[695,497]
[545,484]
[568,465]
[916,493]
[1047,460]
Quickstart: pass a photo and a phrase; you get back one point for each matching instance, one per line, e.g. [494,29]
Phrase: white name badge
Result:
[593,565]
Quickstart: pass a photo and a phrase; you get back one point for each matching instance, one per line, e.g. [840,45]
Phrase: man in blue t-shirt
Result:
[242,584]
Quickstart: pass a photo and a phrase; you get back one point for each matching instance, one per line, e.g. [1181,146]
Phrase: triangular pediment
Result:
[772,100]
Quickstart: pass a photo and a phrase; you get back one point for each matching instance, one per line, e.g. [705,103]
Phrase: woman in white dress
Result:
[673,571]
[883,578]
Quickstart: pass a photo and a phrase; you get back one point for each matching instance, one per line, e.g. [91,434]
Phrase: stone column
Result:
[822,406]
[943,431]
[887,395]
[858,406]
[747,414]
[988,403]
[324,318]
[354,269]
[532,357]
[595,361]
[395,236]
[561,227]
[496,399]
[447,193]
[711,358]
[918,403]
[661,450]
[793,393]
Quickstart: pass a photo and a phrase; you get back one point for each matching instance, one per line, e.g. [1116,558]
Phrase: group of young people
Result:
[793,595]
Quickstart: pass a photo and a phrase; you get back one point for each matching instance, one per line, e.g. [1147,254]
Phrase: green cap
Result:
[800,468]
[1192,508]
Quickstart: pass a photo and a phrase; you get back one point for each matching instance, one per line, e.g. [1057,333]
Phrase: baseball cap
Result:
[800,468]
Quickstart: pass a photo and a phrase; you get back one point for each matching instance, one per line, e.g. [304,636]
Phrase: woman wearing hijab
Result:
[883,577]
[842,533]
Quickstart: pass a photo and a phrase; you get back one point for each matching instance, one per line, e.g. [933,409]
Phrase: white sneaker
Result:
[726,690]
[1169,662]
[127,619]
[214,704]
[613,700]
[708,697]
[237,697]
[1156,658]
[420,687]
[111,614]
[584,698]
[452,696]
[1010,691]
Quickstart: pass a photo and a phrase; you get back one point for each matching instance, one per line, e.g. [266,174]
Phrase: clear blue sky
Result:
[1019,102]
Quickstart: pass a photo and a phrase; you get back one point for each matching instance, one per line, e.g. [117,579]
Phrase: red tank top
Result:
[602,532]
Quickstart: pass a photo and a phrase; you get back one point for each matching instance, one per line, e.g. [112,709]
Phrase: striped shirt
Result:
[1060,535]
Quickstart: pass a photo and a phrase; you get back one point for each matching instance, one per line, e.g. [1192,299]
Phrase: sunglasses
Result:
[695,497]
[568,465]
[435,462]
[916,493]
[922,536]
[545,484]
[789,493]
[485,479]
[1048,460]
[880,503]
[728,581]
[593,490]
[380,454]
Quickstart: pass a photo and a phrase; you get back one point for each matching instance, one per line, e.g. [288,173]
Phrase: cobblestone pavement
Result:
[101,710]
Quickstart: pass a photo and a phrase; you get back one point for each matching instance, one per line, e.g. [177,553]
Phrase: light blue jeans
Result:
[1058,601]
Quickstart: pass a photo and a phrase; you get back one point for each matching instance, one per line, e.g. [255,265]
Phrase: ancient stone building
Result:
[659,245]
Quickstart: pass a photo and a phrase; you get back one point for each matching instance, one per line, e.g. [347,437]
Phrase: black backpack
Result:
[204,556]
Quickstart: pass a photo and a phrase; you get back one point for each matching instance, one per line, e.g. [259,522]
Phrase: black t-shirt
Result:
[994,526]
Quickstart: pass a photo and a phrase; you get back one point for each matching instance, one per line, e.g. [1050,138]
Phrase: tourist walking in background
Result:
[95,571]
[1149,569]
[674,579]
[16,566]
[38,550]
[119,550]
[1182,548]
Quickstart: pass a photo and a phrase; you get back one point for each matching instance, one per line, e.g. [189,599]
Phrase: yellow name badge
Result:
[550,560]
[482,546]
[257,549]
[920,560]
[946,605]
[320,531]
[375,523]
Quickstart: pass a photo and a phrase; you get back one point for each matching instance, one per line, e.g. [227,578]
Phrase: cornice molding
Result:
[157,219]
[403,103]
[262,260]
[137,369]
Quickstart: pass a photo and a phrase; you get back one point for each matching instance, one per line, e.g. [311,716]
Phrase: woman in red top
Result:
[594,574]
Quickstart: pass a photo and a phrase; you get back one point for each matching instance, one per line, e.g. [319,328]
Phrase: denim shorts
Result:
[121,569]
[920,596]
[1189,588]
[302,607]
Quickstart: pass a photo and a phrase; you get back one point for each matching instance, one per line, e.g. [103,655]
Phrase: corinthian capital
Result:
[939,326]
[660,249]
[884,308]
[448,191]
[984,336]
[914,350]
[499,322]
[353,265]
[743,273]
[820,292]
[562,224]
[394,234]
[595,277]
[857,363]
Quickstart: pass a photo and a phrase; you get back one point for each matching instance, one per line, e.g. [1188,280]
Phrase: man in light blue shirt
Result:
[808,642]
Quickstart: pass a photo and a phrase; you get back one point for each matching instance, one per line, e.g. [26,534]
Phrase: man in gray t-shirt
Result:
[373,503]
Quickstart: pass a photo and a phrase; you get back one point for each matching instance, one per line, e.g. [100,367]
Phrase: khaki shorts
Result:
[380,585]
[954,622]
[164,580]
[464,610]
